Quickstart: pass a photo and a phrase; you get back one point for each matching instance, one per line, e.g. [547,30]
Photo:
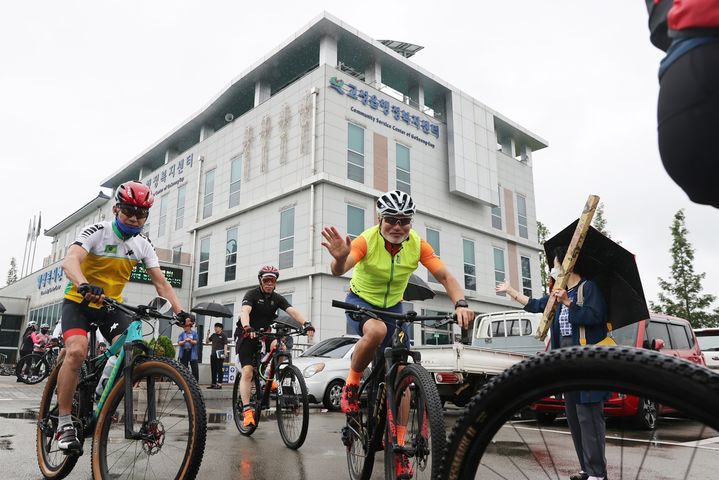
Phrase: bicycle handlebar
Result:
[139,310]
[410,316]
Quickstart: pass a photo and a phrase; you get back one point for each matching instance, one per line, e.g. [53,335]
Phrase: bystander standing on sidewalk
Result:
[219,340]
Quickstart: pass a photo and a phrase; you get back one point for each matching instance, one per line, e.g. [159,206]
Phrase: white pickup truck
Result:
[460,370]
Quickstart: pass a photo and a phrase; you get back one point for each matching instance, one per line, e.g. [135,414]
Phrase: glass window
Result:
[209,193]
[355,153]
[522,216]
[497,212]
[526,277]
[470,266]
[228,324]
[287,238]
[162,220]
[204,262]
[231,254]
[679,337]
[355,221]
[433,240]
[180,218]
[403,176]
[499,270]
[335,347]
[658,330]
[235,177]
[177,255]
[436,336]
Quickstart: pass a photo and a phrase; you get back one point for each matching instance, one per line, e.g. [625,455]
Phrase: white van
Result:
[508,331]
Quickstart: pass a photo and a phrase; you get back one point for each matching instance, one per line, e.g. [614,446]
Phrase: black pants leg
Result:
[216,369]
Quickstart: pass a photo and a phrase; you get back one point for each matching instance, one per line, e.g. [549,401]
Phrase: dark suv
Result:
[666,334]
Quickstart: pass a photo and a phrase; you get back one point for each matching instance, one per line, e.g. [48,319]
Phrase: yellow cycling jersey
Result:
[110,259]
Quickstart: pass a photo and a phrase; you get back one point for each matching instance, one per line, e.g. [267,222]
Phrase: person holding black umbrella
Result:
[581,319]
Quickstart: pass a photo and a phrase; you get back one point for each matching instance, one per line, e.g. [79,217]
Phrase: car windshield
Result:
[331,348]
[709,343]
[626,335]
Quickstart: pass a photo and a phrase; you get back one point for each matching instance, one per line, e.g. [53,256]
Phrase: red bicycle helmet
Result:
[268,270]
[135,194]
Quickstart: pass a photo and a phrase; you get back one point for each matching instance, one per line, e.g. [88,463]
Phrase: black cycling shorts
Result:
[248,351]
[77,317]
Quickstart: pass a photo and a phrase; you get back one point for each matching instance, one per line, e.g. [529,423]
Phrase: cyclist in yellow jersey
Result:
[384,257]
[98,264]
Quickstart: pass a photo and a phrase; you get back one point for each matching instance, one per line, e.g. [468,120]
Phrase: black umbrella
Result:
[285,319]
[417,289]
[2,308]
[613,268]
[212,309]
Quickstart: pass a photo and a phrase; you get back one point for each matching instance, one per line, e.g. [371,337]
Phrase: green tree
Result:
[542,234]
[600,222]
[12,273]
[682,295]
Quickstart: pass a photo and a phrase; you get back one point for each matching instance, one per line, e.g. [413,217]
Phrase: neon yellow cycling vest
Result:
[380,279]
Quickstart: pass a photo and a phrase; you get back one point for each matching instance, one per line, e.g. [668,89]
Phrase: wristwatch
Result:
[461,303]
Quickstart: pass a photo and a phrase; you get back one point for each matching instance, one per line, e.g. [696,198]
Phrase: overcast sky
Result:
[87,86]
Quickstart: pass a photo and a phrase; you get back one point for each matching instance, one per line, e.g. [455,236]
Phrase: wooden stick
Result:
[575,245]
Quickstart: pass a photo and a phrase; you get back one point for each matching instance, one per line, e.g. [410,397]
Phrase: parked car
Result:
[509,331]
[666,334]
[325,366]
[709,343]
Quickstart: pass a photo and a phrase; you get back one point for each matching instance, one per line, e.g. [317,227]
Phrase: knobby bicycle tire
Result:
[255,400]
[367,430]
[35,360]
[195,429]
[690,389]
[425,427]
[54,465]
[288,406]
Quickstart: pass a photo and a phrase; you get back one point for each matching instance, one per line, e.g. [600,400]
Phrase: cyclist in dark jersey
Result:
[259,310]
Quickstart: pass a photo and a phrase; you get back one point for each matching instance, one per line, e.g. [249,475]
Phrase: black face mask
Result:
[44,330]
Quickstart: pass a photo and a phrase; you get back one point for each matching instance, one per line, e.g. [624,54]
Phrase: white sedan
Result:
[709,343]
[325,366]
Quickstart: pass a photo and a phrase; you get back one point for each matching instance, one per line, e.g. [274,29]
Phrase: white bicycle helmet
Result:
[395,202]
[32,323]
[45,325]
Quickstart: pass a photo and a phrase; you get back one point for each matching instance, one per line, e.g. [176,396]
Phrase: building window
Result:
[355,153]
[526,277]
[235,176]
[497,212]
[287,238]
[204,262]
[209,194]
[433,240]
[355,221]
[403,178]
[499,270]
[162,220]
[470,266]
[177,255]
[522,216]
[180,218]
[231,254]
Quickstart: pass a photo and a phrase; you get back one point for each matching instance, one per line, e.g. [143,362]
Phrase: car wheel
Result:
[545,418]
[646,418]
[332,396]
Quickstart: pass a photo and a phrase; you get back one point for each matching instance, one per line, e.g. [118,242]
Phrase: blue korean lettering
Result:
[435,130]
[180,166]
[415,120]
[364,97]
[352,93]
[405,116]
[384,106]
[163,176]
[189,160]
[424,124]
[337,85]
[172,171]
[373,102]
[155,179]
[396,112]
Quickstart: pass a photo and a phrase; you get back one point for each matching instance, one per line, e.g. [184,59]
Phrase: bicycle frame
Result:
[274,364]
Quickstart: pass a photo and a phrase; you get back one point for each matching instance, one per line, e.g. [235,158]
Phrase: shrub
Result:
[163,346]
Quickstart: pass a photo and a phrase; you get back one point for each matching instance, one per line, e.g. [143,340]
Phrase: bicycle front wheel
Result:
[498,437]
[238,406]
[171,444]
[418,406]
[32,369]
[293,408]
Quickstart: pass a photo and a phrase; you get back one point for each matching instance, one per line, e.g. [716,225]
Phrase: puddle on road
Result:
[508,448]
[27,414]
[6,442]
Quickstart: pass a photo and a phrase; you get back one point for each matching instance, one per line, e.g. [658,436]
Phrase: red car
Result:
[669,335]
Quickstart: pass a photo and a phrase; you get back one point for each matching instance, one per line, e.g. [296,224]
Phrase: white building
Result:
[310,136]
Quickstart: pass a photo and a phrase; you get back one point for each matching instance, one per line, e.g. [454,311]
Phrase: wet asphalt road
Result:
[229,455]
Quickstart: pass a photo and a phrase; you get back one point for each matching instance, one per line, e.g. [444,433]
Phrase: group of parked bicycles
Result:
[150,419]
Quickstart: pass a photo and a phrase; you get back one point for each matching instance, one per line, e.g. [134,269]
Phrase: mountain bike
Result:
[276,369]
[150,419]
[36,367]
[380,394]
[496,436]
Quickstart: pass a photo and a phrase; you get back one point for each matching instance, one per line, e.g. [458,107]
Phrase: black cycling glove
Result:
[307,327]
[248,330]
[85,288]
[182,316]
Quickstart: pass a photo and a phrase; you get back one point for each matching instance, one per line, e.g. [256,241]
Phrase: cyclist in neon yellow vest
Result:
[384,256]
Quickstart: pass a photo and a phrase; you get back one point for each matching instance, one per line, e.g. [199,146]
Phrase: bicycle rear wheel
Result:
[425,439]
[172,445]
[293,408]
[53,463]
[493,438]
[32,369]
[237,405]
[362,436]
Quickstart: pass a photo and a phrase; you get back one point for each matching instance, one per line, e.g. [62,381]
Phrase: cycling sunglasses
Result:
[269,279]
[132,211]
[404,221]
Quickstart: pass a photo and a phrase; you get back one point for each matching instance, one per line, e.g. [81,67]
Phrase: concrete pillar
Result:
[262,92]
[205,132]
[416,96]
[373,74]
[328,51]
[170,155]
